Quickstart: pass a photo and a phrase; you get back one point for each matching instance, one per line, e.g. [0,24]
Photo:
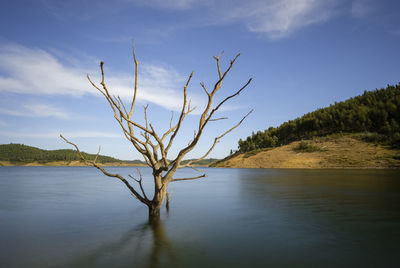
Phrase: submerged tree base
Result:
[154,215]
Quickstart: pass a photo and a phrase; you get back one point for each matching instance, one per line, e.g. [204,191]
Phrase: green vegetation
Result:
[27,154]
[20,153]
[305,147]
[375,113]
[254,152]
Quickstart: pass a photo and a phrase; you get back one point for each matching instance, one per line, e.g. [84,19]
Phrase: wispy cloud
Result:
[3,124]
[274,18]
[170,4]
[49,135]
[36,110]
[280,18]
[38,72]
[158,85]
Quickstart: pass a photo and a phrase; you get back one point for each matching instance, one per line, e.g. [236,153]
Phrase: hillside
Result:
[375,111]
[24,155]
[19,154]
[333,151]
[361,132]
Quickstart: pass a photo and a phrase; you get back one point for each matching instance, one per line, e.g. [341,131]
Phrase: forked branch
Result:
[216,140]
[96,165]
[207,115]
[140,183]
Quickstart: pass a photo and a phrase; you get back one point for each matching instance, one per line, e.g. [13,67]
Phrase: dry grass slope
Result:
[335,151]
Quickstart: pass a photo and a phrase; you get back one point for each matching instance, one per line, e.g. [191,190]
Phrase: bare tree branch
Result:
[217,119]
[205,89]
[115,107]
[93,163]
[97,155]
[216,140]
[140,183]
[206,116]
[227,98]
[161,144]
[147,123]
[122,103]
[218,83]
[218,67]
[136,77]
[183,114]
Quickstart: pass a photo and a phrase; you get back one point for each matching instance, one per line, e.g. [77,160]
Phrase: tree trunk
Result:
[160,191]
[154,213]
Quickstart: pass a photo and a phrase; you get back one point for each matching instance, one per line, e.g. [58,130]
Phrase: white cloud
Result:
[158,85]
[169,4]
[275,18]
[36,110]
[38,72]
[279,18]
[44,110]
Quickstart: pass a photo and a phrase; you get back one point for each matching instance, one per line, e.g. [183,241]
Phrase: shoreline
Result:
[330,152]
[71,164]
[66,164]
[58,164]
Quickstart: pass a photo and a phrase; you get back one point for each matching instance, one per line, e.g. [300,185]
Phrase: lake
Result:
[76,217]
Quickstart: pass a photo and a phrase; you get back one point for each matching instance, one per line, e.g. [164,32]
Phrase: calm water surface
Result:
[76,217]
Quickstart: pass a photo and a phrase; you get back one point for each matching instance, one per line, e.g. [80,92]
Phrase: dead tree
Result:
[155,147]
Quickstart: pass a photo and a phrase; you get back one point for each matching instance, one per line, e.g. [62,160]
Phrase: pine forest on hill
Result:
[374,113]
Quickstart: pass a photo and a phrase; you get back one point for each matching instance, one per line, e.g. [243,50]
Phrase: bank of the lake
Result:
[335,151]
[66,164]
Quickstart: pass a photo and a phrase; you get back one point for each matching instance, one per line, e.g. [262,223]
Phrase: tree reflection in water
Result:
[162,248]
[145,245]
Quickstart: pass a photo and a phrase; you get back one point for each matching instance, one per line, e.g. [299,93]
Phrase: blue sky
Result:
[302,55]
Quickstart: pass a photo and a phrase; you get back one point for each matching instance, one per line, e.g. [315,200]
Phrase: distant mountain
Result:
[27,154]
[375,112]
[24,154]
